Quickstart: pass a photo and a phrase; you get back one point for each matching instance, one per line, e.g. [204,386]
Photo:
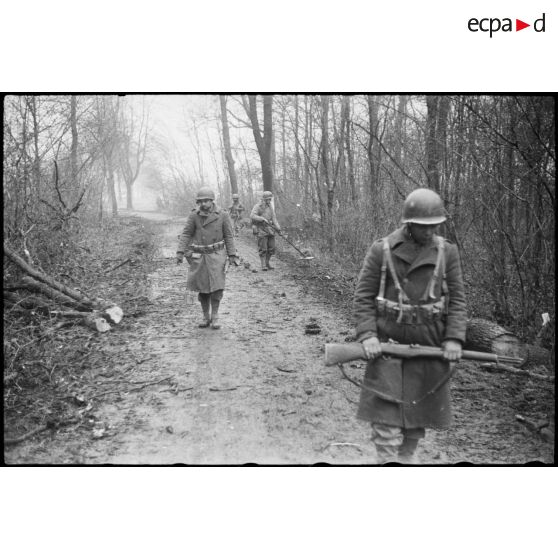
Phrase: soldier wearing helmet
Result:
[235,211]
[206,240]
[410,290]
[264,226]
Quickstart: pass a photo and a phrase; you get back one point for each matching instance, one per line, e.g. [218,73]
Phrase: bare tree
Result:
[264,140]
[227,144]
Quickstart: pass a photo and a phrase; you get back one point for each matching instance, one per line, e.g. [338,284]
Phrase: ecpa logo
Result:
[492,25]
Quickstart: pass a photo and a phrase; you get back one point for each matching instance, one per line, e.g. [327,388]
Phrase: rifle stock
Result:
[338,353]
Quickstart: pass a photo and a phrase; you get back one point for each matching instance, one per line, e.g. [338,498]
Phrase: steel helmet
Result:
[425,207]
[205,194]
[267,194]
[235,196]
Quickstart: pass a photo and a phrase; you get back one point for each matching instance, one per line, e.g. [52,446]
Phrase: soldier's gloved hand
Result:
[452,349]
[179,257]
[265,221]
[233,260]
[372,347]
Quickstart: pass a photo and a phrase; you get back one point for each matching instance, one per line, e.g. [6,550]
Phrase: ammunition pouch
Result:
[411,313]
[208,248]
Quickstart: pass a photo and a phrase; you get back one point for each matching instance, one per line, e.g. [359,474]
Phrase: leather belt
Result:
[207,248]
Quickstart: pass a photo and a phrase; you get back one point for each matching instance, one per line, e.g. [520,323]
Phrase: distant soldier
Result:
[206,240]
[410,290]
[264,221]
[235,211]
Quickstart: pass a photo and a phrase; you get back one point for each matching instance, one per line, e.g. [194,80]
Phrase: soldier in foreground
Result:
[264,225]
[235,211]
[410,289]
[206,240]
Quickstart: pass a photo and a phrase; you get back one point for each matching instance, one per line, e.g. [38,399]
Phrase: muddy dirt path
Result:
[255,391]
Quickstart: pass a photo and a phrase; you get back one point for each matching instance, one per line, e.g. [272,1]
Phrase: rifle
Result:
[338,353]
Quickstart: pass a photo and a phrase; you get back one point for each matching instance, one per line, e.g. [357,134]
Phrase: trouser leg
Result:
[270,251]
[262,251]
[204,299]
[387,440]
[216,297]
[411,437]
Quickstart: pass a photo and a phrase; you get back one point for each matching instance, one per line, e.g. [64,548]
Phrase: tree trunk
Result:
[263,143]
[373,123]
[74,146]
[227,144]
[350,156]
[267,163]
[432,153]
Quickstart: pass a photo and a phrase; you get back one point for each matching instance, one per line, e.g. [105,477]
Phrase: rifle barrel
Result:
[344,352]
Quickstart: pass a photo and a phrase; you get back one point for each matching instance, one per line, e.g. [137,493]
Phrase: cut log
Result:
[112,311]
[32,285]
[483,335]
[45,279]
[92,320]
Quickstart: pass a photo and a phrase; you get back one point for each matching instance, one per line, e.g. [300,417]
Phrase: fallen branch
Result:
[496,367]
[117,266]
[32,285]
[342,444]
[112,311]
[176,390]
[228,389]
[132,389]
[50,425]
[13,441]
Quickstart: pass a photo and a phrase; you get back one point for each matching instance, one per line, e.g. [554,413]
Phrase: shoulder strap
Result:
[387,258]
[440,262]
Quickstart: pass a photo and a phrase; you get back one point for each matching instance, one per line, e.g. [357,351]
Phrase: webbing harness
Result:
[403,299]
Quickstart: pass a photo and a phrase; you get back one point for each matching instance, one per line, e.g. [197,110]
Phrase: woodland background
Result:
[339,166]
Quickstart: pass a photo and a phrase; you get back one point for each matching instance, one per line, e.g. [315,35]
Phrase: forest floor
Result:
[156,389]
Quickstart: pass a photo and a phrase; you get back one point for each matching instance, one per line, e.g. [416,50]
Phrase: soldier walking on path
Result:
[410,290]
[206,240]
[264,226]
[235,211]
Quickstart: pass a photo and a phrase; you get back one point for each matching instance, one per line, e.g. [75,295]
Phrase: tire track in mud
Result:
[255,391]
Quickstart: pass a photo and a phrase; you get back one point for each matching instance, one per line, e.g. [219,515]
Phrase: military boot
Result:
[407,450]
[264,263]
[269,266]
[215,314]
[215,321]
[205,309]
[206,320]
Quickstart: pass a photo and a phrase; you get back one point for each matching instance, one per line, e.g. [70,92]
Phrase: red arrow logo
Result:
[519,25]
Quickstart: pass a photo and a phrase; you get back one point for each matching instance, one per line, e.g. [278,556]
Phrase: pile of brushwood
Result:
[58,307]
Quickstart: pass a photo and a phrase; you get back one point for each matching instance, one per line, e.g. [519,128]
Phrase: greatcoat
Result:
[207,267]
[408,380]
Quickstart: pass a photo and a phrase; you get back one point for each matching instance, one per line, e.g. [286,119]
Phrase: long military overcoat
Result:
[207,270]
[408,380]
